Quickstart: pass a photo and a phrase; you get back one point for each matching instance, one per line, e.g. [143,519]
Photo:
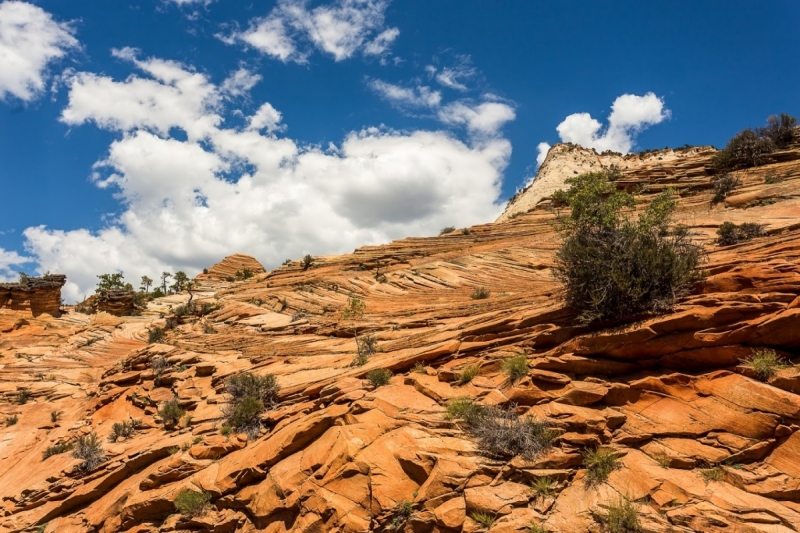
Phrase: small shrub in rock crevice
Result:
[502,432]
[192,503]
[480,293]
[599,463]
[729,233]
[366,345]
[56,449]
[765,363]
[516,367]
[379,377]
[124,429]
[723,186]
[171,413]
[89,449]
[23,396]
[715,473]
[485,519]
[249,396]
[468,373]
[11,420]
[620,516]
[544,487]
[156,335]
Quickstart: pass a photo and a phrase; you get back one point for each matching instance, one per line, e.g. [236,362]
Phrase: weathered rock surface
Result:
[702,444]
[34,297]
[228,267]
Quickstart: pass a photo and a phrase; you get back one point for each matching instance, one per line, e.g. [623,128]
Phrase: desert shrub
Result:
[230,279]
[747,148]
[448,229]
[56,449]
[729,233]
[124,429]
[402,512]
[533,527]
[11,420]
[621,516]
[544,487]
[468,373]
[155,335]
[249,396]
[780,130]
[419,368]
[614,265]
[715,473]
[464,409]
[485,519]
[503,433]
[208,329]
[307,261]
[723,186]
[89,450]
[480,293]
[366,345]
[599,463]
[765,363]
[379,377]
[170,413]
[23,396]
[516,367]
[55,416]
[159,364]
[225,430]
[192,503]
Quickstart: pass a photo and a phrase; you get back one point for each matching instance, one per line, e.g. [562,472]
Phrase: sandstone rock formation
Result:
[35,296]
[702,444]
[117,303]
[228,267]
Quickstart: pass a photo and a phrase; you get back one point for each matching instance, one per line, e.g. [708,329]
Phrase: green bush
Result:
[192,503]
[503,433]
[716,473]
[599,463]
[11,420]
[781,130]
[749,147]
[464,409]
[56,449]
[485,519]
[55,416]
[225,430]
[480,293]
[544,487]
[124,429]
[89,450]
[379,377]
[155,335]
[468,373]
[448,229]
[516,367]
[249,396]
[170,413]
[366,345]
[729,233]
[614,265]
[723,186]
[765,363]
[307,262]
[621,516]
[23,396]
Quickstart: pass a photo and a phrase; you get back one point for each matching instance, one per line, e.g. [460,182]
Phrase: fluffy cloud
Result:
[29,41]
[484,119]
[451,76]
[340,29]
[10,262]
[187,202]
[240,82]
[630,114]
[419,96]
[541,149]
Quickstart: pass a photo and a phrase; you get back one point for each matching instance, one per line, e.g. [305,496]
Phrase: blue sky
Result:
[165,134]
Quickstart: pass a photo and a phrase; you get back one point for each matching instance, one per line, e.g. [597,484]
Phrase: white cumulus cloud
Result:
[482,119]
[10,264]
[630,114]
[187,202]
[452,76]
[30,40]
[398,95]
[240,82]
[541,153]
[291,30]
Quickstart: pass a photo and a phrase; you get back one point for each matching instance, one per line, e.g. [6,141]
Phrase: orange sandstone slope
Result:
[703,445]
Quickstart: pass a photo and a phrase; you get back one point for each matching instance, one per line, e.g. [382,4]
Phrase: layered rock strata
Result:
[34,296]
[702,444]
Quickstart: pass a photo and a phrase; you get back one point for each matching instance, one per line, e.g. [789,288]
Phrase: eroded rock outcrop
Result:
[702,445]
[34,295]
[230,266]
